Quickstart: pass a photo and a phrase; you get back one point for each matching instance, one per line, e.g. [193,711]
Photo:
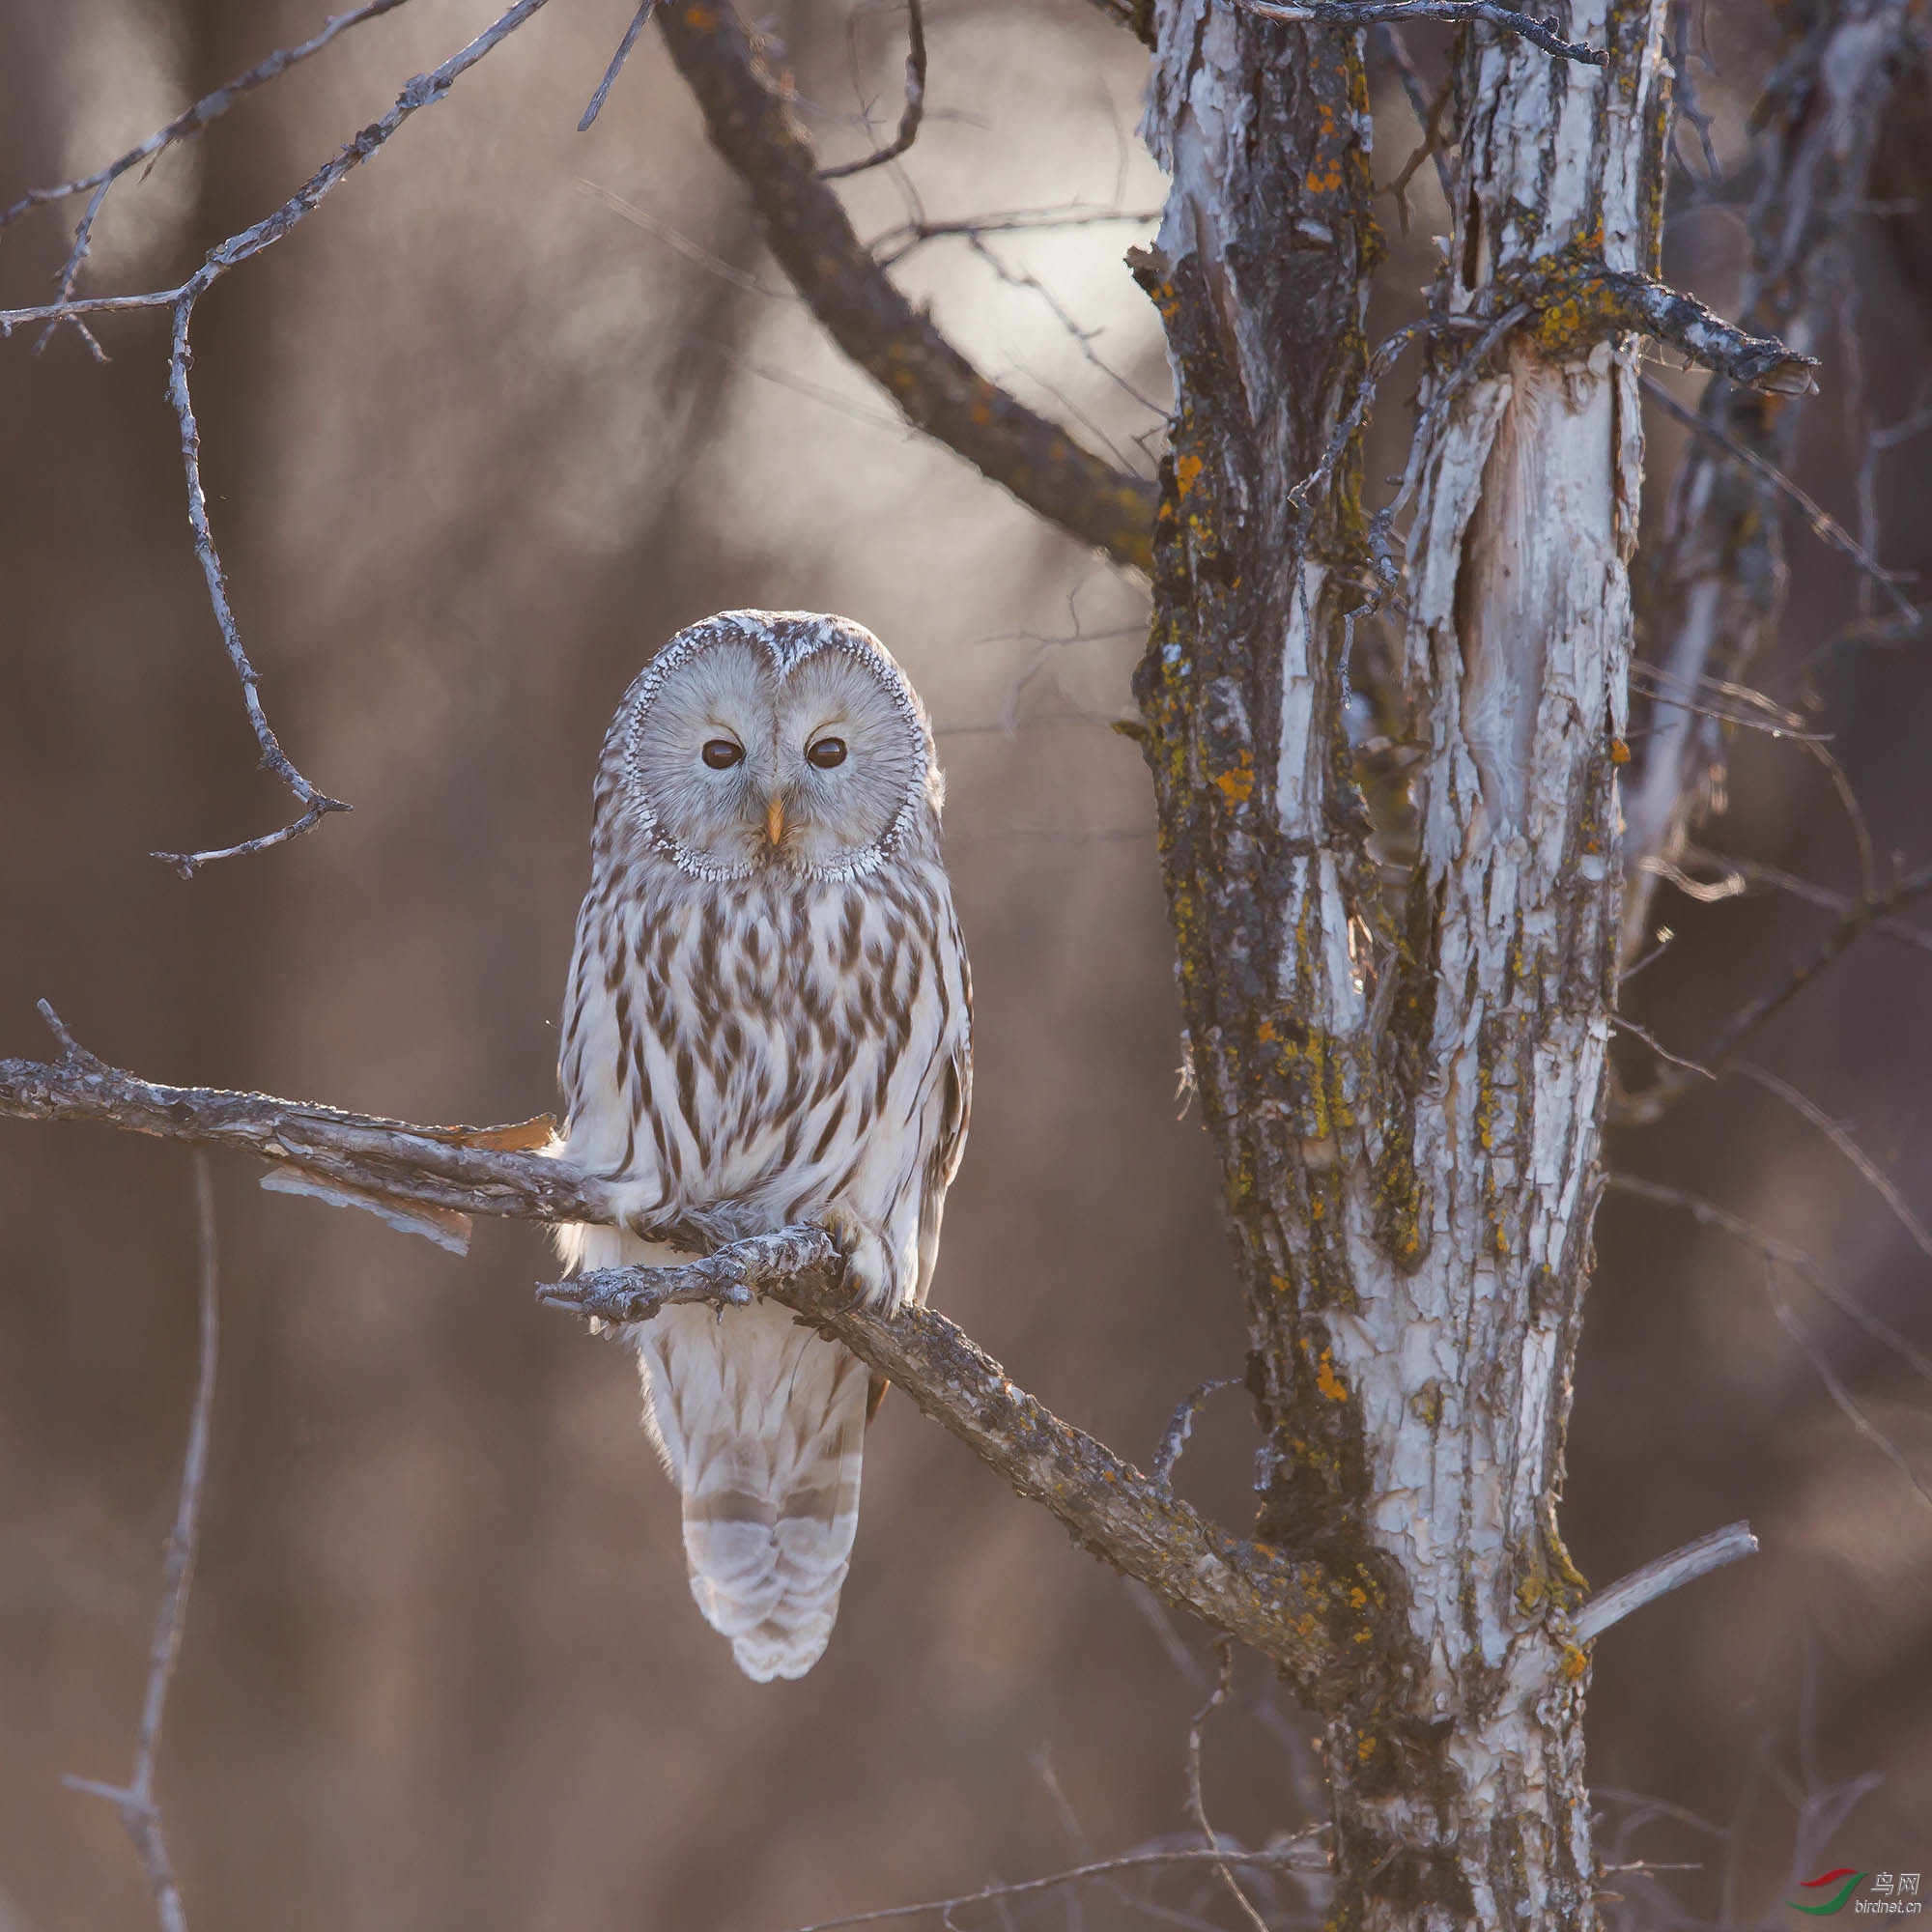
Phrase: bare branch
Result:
[1290,1610]
[1864,915]
[897,243]
[1834,1386]
[915,103]
[1197,1803]
[315,805]
[1020,1889]
[1743,873]
[1183,1424]
[873,321]
[1869,1172]
[1774,1255]
[1371,13]
[1132,1521]
[1580,301]
[210,107]
[1822,525]
[422,91]
[638,24]
[1658,1578]
[140,1816]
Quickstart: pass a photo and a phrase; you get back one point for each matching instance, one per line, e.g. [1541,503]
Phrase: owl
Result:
[768,1020]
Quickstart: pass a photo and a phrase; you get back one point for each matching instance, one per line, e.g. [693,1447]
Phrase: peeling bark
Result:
[1407,1106]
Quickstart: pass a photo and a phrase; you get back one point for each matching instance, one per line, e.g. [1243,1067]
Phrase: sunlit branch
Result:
[872,320]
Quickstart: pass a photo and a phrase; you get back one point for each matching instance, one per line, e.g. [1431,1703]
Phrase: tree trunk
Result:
[1408,1101]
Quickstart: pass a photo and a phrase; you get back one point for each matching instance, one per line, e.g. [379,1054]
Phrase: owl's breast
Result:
[748,1045]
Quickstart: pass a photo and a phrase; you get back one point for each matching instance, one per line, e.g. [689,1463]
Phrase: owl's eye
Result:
[720,753]
[825,752]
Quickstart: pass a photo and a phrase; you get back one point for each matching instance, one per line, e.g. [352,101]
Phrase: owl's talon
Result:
[867,1273]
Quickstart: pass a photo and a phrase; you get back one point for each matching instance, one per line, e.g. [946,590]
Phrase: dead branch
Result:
[140,1816]
[1865,915]
[1793,1259]
[1132,1521]
[1197,1803]
[1579,300]
[1295,1612]
[1741,874]
[897,243]
[1182,1427]
[191,121]
[1663,1574]
[913,113]
[421,92]
[638,22]
[1719,577]
[1822,525]
[1097,1868]
[933,384]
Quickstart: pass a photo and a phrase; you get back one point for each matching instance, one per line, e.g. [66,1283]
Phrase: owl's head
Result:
[771,740]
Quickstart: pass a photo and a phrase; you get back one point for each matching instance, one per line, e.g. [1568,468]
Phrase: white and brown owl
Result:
[769,1020]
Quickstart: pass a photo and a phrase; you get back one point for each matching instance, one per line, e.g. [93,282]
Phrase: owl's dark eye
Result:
[720,753]
[825,752]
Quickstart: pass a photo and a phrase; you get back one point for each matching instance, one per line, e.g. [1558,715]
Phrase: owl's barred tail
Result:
[763,1425]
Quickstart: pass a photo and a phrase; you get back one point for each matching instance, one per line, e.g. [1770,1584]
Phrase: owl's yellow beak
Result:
[775,820]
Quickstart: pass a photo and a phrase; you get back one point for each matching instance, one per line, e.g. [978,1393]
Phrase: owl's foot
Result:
[870,1278]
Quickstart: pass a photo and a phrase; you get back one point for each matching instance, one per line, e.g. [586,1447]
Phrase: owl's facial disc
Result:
[745,769]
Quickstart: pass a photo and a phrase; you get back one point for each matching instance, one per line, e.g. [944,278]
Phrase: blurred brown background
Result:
[475,443]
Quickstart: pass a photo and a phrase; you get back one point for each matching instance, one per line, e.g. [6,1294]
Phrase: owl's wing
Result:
[947,1109]
[950,1109]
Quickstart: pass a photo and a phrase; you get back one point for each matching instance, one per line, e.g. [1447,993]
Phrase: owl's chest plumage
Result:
[757,1051]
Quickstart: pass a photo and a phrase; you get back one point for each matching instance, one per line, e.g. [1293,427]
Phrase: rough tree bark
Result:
[1407,1107]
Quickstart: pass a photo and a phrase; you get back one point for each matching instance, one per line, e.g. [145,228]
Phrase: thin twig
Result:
[991,1893]
[1417,94]
[1638,1109]
[1743,873]
[897,243]
[637,25]
[915,104]
[420,92]
[1182,1426]
[140,1814]
[315,805]
[1835,1387]
[1822,525]
[189,122]
[681,244]
[1794,1261]
[1369,13]
[1197,1804]
[1869,1171]
[1661,1576]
